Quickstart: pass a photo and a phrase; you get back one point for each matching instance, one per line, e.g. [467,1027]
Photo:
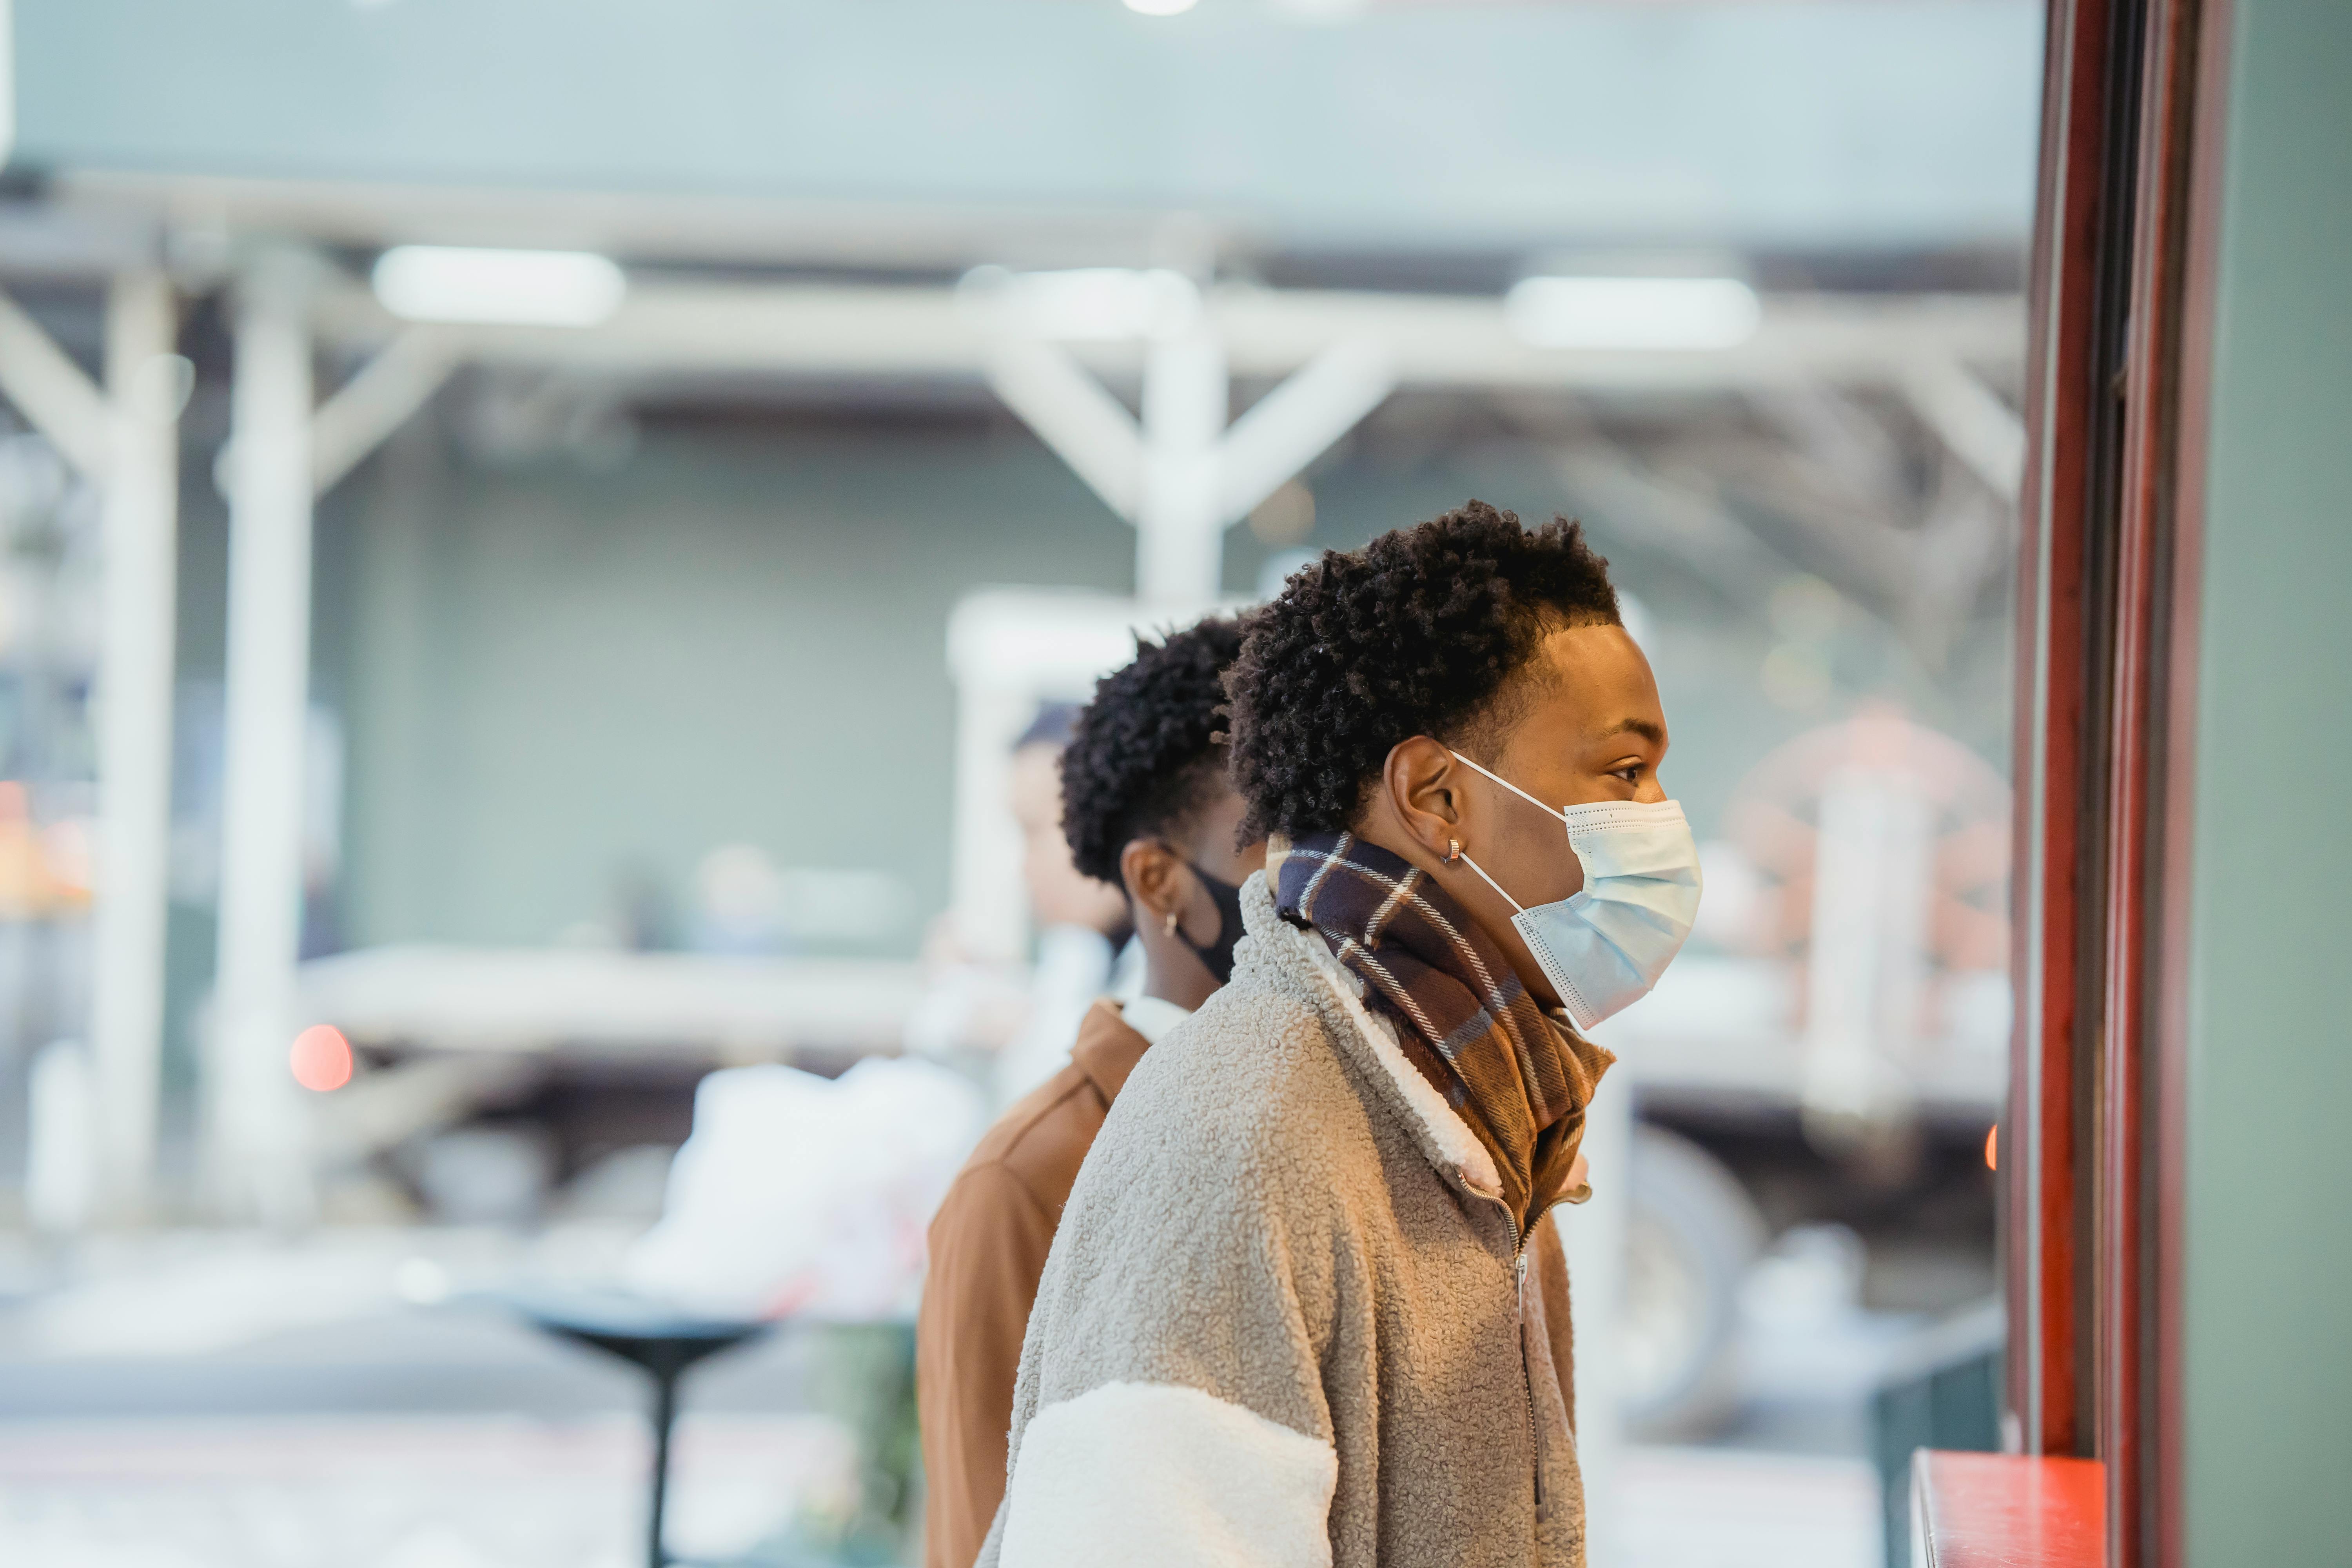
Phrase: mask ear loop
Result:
[1547,810]
[1455,844]
[1453,853]
[1517,907]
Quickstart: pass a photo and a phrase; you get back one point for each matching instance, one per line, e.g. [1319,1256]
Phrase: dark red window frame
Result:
[2110,524]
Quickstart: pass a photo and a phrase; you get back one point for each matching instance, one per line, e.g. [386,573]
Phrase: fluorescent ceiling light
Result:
[1161,7]
[1633,313]
[1090,304]
[519,288]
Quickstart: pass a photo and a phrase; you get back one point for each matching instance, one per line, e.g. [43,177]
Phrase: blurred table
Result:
[660,1340]
[450,1028]
[499,999]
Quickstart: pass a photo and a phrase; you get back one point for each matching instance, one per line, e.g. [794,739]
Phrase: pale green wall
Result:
[553,676]
[550,675]
[2269,1391]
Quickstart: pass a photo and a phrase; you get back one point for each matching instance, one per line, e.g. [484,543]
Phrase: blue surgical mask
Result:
[1604,946]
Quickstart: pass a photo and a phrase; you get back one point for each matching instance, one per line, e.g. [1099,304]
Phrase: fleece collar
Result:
[1445,1139]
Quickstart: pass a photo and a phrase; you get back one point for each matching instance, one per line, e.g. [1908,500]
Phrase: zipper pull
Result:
[1522,1269]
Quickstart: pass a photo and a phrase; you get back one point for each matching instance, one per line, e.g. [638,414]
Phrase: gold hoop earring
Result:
[1452,850]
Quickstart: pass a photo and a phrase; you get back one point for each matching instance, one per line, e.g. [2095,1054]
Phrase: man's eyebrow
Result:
[1654,735]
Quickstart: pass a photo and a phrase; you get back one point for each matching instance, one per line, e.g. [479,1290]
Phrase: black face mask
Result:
[1218,956]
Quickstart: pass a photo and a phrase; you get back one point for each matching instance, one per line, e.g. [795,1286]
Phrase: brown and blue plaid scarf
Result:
[1519,1078]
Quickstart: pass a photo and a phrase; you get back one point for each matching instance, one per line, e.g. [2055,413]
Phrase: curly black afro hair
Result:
[1415,634]
[1148,750]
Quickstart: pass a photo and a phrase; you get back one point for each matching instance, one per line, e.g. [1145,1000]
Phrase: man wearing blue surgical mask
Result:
[1303,1296]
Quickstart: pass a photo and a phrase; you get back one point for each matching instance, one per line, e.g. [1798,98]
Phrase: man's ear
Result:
[1423,786]
[1149,868]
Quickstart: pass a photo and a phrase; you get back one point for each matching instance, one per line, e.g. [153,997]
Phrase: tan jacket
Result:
[989,1243]
[1288,1321]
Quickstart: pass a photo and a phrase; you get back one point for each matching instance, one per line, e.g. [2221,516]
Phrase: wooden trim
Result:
[2149,804]
[2111,522]
[2067,673]
[2141,568]
[2046,1245]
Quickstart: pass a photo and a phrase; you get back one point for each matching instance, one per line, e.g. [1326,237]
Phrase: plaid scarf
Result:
[1520,1079]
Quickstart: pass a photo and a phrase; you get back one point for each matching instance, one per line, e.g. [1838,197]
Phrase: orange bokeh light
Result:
[1993,1147]
[321,1058]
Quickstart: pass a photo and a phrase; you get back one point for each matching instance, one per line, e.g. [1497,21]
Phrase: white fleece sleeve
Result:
[1144,1473]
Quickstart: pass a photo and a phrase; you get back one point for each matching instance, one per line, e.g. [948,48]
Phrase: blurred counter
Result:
[606,1002]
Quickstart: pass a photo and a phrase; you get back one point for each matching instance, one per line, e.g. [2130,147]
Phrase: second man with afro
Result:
[1147,808]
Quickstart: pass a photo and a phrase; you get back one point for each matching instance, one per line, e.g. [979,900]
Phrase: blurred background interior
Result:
[532,535]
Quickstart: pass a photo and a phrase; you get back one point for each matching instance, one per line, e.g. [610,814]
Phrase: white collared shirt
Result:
[1153,1016]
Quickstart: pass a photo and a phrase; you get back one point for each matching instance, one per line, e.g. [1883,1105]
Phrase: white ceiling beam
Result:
[1432,341]
[1464,341]
[53,393]
[1074,416]
[1645,507]
[1971,419]
[1295,422]
[382,397]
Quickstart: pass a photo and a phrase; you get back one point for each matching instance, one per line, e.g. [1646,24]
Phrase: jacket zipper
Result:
[1527,1384]
[1526,1369]
[1520,1272]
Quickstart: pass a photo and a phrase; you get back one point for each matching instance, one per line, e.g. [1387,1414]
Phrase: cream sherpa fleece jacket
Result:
[1283,1322]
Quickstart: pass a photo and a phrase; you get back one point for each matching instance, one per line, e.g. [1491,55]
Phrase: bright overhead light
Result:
[1633,313]
[1088,304]
[518,288]
[1161,7]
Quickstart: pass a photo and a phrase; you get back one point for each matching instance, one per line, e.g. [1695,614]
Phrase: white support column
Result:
[1180,528]
[257,1126]
[1874,885]
[134,703]
[1595,1234]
